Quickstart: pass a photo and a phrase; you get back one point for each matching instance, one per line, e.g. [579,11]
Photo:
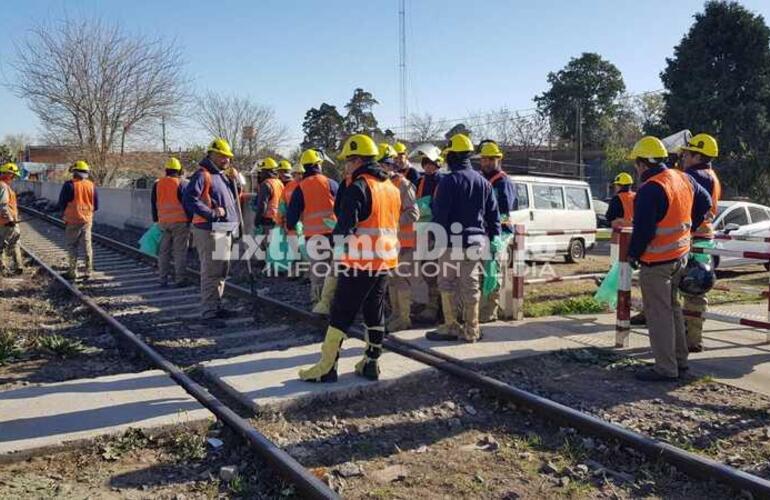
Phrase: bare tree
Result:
[16,143]
[424,128]
[92,85]
[248,126]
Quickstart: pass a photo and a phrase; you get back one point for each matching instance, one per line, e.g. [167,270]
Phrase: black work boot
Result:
[369,366]
[638,320]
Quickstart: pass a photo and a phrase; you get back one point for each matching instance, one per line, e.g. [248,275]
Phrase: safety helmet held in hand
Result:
[623,179]
[10,168]
[703,144]
[173,164]
[648,148]
[221,146]
[460,143]
[698,278]
[358,145]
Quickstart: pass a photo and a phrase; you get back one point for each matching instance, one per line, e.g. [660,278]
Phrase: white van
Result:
[553,204]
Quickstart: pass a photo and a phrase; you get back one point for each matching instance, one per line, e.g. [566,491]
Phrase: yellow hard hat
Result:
[460,143]
[623,179]
[703,144]
[490,149]
[310,157]
[298,169]
[80,166]
[284,165]
[648,147]
[268,164]
[10,168]
[173,164]
[400,148]
[385,151]
[221,146]
[358,145]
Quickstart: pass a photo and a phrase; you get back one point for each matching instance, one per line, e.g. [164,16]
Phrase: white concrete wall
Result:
[117,207]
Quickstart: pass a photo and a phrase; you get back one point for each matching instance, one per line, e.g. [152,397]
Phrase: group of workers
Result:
[672,211]
[383,199]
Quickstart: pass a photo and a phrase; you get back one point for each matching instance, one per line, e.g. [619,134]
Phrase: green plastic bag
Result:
[491,277]
[280,254]
[423,204]
[149,243]
[608,290]
[702,257]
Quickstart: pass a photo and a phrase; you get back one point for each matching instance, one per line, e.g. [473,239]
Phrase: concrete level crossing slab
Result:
[735,355]
[269,379]
[37,418]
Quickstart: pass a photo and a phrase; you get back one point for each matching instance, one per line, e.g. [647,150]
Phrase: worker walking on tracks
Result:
[174,222]
[211,198]
[430,160]
[466,208]
[9,220]
[667,206]
[312,203]
[403,281]
[505,194]
[696,159]
[368,222]
[402,161]
[78,200]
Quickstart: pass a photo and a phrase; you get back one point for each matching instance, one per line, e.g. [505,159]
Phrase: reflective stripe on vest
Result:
[13,208]
[627,202]
[319,204]
[205,196]
[374,244]
[167,202]
[406,233]
[81,209]
[672,235]
[276,188]
[706,230]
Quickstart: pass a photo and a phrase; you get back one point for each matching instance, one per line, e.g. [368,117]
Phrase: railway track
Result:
[124,295]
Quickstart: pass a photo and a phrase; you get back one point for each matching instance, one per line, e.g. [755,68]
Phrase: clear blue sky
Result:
[464,57]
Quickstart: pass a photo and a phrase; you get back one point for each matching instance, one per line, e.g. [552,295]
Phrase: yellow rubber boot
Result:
[450,329]
[326,368]
[401,320]
[324,305]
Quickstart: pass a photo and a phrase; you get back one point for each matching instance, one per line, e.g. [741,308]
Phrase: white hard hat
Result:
[427,150]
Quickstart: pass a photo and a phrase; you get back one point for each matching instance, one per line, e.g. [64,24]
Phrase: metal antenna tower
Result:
[402,65]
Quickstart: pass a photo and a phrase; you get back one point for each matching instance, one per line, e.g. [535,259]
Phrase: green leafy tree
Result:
[360,118]
[719,82]
[323,128]
[590,82]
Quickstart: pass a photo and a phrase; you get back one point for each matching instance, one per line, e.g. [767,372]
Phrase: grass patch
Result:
[188,446]
[59,346]
[573,305]
[132,439]
[9,346]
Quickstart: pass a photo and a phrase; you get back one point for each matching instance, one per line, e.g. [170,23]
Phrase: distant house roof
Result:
[48,154]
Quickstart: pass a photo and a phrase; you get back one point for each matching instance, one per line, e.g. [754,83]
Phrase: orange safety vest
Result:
[406,233]
[205,196]
[627,202]
[672,235]
[319,204]
[13,208]
[169,207]
[374,244]
[288,191]
[421,188]
[276,186]
[81,209]
[706,230]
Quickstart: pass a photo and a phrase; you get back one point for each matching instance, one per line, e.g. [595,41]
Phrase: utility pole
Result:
[402,65]
[163,130]
[579,138]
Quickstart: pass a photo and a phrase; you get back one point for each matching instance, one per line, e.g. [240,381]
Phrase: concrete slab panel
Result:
[62,414]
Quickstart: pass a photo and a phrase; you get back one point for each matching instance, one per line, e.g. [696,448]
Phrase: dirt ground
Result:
[46,336]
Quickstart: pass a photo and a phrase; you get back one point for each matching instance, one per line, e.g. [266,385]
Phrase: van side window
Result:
[577,198]
[548,197]
[522,197]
